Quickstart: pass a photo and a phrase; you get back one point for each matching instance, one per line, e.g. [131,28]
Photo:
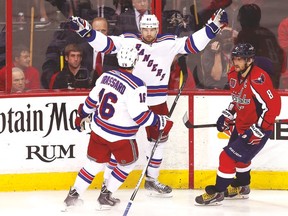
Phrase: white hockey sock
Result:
[154,165]
[86,175]
[109,167]
[118,176]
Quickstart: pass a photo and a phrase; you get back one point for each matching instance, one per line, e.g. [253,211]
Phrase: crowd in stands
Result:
[207,70]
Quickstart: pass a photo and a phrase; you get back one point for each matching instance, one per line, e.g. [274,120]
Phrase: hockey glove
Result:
[81,26]
[81,118]
[253,135]
[224,121]
[164,124]
[218,21]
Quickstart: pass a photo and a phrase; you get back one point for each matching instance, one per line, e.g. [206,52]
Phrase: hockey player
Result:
[254,107]
[119,108]
[156,54]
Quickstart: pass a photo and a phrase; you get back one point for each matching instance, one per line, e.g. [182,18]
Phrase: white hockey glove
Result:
[164,124]
[218,21]
[79,25]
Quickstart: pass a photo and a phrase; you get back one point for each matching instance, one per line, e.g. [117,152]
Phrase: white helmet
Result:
[149,21]
[127,56]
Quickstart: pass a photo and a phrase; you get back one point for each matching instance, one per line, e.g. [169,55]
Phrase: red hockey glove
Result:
[81,118]
[164,124]
[81,26]
[253,135]
[224,120]
[218,21]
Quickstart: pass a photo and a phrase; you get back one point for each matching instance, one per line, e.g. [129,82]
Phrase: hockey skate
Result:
[211,197]
[157,189]
[72,199]
[240,192]
[105,200]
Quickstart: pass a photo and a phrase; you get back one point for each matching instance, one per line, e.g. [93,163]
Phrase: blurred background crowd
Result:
[53,49]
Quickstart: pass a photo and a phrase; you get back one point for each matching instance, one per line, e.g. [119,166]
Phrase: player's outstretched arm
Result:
[80,26]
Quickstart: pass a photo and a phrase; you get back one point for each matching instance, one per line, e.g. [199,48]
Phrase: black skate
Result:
[211,197]
[72,199]
[155,188]
[240,192]
[105,200]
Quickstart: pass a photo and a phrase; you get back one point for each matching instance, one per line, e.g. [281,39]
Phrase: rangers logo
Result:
[259,80]
[232,83]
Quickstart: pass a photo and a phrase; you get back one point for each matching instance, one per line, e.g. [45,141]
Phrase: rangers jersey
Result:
[118,102]
[254,99]
[155,59]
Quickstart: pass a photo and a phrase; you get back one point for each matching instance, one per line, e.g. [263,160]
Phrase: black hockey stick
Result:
[188,124]
[183,66]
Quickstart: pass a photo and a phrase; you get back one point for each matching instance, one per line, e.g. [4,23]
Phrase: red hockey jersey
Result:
[254,98]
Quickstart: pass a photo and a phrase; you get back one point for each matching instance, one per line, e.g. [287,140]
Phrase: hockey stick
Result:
[188,124]
[183,66]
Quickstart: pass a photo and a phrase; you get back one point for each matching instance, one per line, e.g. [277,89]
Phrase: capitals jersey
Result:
[254,99]
[118,102]
[155,59]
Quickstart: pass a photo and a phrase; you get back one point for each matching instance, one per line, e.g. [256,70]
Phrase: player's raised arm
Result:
[198,40]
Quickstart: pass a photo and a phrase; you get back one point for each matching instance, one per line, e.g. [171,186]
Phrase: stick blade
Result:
[186,121]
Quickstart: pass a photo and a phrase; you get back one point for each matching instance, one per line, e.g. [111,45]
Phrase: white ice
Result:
[50,203]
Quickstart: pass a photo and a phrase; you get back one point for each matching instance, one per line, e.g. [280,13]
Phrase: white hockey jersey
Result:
[118,102]
[155,59]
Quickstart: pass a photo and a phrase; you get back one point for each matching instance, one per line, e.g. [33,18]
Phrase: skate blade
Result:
[160,195]
[66,208]
[237,197]
[100,207]
[218,203]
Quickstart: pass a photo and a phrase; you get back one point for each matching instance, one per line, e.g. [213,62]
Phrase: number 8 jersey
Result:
[118,102]
[254,98]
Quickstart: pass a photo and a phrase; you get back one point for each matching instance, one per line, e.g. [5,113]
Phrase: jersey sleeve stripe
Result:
[190,46]
[91,104]
[144,117]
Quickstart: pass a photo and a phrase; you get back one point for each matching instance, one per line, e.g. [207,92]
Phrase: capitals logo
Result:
[260,80]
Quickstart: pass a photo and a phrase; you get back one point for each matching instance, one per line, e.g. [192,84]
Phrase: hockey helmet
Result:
[243,50]
[127,56]
[149,21]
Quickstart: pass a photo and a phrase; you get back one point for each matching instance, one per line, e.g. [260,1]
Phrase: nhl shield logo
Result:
[232,83]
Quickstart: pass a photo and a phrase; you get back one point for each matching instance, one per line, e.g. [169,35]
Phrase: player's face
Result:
[149,34]
[239,63]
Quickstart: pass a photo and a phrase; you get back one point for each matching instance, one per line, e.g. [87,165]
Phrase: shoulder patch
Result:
[260,80]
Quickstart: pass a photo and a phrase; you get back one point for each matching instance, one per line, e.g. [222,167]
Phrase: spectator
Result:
[18,80]
[99,24]
[56,48]
[216,60]
[129,21]
[262,39]
[74,75]
[283,42]
[21,59]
